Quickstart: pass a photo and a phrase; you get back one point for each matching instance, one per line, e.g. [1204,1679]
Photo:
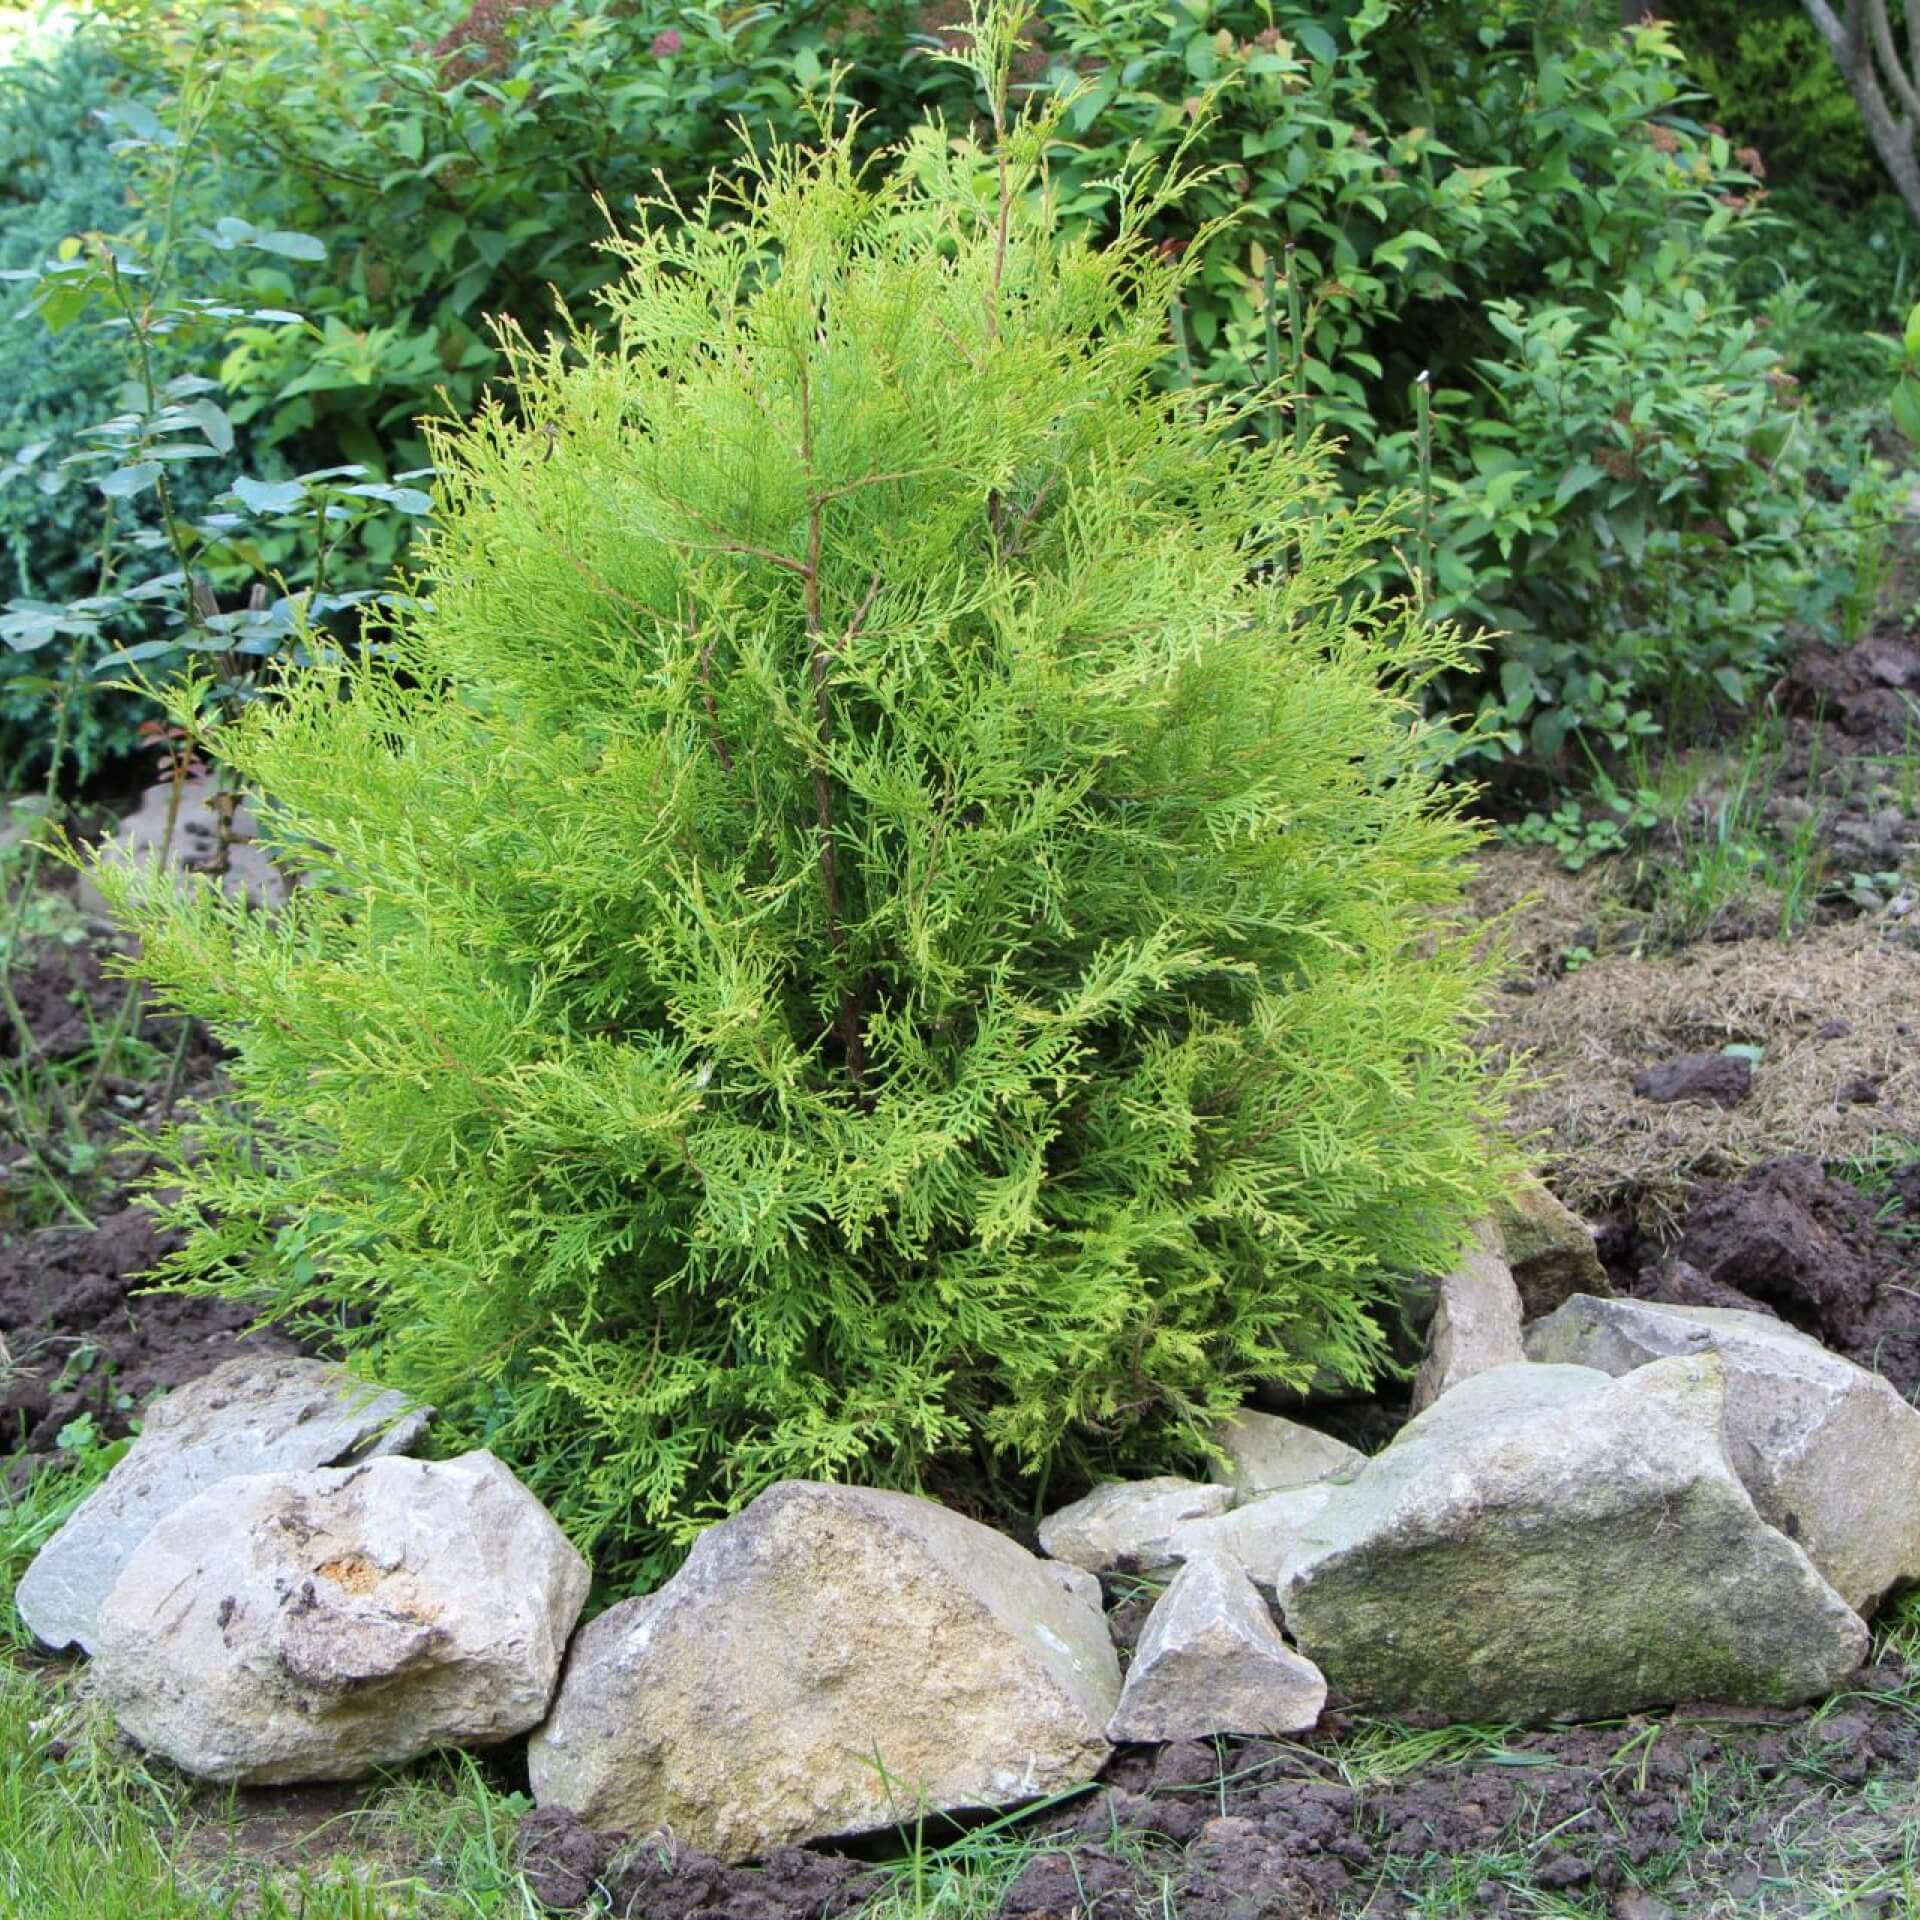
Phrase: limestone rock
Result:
[193,844]
[1212,1661]
[1549,1249]
[254,1414]
[831,1660]
[1548,1541]
[1265,1453]
[287,1627]
[1128,1525]
[1830,1452]
[1476,1323]
[1256,1537]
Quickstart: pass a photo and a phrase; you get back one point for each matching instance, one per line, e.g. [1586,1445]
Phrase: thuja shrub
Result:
[885,906]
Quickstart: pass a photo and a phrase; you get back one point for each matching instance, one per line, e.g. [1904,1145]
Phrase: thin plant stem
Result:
[1297,347]
[1423,407]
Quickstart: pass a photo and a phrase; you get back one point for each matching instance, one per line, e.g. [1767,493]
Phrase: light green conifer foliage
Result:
[886,906]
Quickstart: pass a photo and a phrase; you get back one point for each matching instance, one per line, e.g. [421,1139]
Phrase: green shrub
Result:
[877,908]
[1773,83]
[1644,555]
[460,160]
[1389,189]
[1480,194]
[58,176]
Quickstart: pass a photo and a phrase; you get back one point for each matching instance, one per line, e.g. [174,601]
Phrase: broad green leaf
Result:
[214,423]
[123,483]
[269,496]
[291,246]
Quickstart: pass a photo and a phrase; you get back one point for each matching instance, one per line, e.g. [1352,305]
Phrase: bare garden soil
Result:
[1788,1181]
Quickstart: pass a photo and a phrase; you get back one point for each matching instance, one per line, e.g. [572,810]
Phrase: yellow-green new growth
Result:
[885,906]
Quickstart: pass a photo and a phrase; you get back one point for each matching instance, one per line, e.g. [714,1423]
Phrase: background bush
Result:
[885,909]
[59,175]
[462,162]
[1775,86]
[1466,190]
[1516,201]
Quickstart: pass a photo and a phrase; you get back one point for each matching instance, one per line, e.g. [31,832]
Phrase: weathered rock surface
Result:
[1212,1661]
[1256,1537]
[254,1414]
[832,1660]
[289,1627]
[1266,1453]
[1547,1541]
[193,843]
[1830,1452]
[1128,1525]
[1550,1250]
[1476,1322]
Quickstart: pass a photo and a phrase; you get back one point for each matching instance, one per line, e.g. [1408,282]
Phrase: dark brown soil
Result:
[1791,1240]
[1712,1079]
[65,995]
[568,1864]
[76,1343]
[1851,722]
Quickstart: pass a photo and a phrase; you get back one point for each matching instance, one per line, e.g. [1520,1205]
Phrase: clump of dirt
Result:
[1795,1241]
[568,1864]
[74,1343]
[1791,1240]
[1822,1019]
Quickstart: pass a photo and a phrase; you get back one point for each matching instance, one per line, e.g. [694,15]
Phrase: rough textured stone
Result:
[1550,1250]
[1476,1323]
[1128,1525]
[314,1626]
[192,844]
[832,1660]
[1549,1541]
[1265,1453]
[1830,1452]
[1257,1537]
[254,1414]
[1212,1661]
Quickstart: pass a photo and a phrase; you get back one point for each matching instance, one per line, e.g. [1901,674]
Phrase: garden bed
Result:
[1795,1198]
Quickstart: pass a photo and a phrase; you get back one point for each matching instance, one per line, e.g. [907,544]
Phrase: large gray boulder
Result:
[1266,1453]
[259,1413]
[1548,1541]
[1830,1452]
[1210,1660]
[832,1660]
[1476,1322]
[1128,1526]
[288,1627]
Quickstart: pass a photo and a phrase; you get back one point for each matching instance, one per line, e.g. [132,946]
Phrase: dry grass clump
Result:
[1542,910]
[1836,1016]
